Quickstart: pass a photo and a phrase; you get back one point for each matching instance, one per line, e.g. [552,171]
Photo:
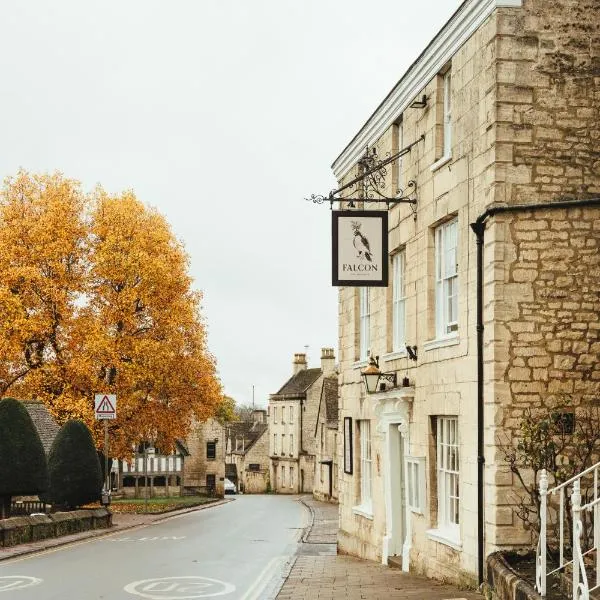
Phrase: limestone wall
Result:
[544,276]
[257,482]
[445,374]
[547,115]
[197,466]
[525,114]
[326,476]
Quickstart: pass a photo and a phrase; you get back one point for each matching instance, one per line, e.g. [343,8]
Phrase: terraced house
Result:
[293,416]
[494,279]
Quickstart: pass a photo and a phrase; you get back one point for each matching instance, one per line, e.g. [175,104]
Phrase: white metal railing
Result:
[581,588]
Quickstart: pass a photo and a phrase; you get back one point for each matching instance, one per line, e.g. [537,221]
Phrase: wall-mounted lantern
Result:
[375,380]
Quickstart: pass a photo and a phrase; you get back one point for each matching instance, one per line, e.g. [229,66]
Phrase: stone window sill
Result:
[364,510]
[441,162]
[443,342]
[447,536]
[360,364]
[393,355]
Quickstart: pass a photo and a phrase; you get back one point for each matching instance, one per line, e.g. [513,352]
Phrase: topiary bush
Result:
[74,468]
[23,467]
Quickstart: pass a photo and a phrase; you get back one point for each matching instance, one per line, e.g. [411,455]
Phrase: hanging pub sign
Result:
[360,248]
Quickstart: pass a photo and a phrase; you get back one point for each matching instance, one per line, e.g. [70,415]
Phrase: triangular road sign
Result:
[105,406]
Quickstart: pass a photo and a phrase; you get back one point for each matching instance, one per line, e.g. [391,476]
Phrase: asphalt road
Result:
[237,551]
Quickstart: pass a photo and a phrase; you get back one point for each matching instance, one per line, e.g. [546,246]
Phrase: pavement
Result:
[318,573]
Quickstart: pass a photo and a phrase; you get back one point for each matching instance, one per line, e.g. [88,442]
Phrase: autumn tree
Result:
[96,297]
[43,264]
[141,334]
[226,410]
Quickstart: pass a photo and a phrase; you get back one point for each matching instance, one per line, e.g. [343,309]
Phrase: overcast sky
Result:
[224,115]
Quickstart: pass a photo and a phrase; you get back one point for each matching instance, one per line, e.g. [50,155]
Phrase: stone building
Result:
[247,457]
[204,468]
[494,280]
[326,434]
[293,414]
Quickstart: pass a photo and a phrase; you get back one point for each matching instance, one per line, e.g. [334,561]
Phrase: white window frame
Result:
[274,443]
[283,415]
[415,483]
[447,92]
[446,279]
[291,477]
[366,466]
[398,301]
[274,414]
[283,476]
[291,444]
[448,476]
[282,444]
[291,414]
[364,323]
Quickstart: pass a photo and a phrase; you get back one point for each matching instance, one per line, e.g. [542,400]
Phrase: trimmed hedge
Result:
[23,467]
[74,468]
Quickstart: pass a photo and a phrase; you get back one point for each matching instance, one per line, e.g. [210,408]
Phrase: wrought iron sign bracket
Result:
[370,182]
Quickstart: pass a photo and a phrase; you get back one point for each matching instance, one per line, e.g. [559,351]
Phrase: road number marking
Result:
[179,588]
[17,582]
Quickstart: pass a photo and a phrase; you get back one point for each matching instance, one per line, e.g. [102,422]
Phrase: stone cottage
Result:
[247,453]
[204,468]
[493,299]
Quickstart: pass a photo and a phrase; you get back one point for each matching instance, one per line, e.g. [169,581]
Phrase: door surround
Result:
[392,411]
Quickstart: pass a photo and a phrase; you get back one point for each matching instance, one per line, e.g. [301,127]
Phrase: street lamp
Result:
[374,379]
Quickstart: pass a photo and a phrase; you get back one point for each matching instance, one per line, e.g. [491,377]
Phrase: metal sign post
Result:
[105,408]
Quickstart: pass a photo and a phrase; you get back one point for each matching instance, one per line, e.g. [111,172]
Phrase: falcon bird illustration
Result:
[361,243]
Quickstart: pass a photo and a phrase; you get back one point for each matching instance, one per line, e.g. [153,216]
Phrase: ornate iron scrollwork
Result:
[369,184]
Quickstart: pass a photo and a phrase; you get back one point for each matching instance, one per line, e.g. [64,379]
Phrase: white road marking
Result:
[10,583]
[156,538]
[259,584]
[179,588]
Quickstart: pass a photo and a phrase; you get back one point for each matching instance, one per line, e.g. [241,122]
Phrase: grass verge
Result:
[157,505]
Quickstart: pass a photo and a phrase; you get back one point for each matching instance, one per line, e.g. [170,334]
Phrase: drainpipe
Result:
[478,228]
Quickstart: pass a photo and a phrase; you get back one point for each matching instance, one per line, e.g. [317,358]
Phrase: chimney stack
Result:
[299,363]
[328,362]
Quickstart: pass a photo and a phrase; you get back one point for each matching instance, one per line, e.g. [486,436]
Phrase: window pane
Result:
[398,306]
[448,471]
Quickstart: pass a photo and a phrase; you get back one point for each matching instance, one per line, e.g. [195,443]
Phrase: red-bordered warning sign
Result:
[105,406]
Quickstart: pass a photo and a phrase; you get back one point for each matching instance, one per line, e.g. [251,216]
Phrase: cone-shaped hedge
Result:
[23,468]
[74,468]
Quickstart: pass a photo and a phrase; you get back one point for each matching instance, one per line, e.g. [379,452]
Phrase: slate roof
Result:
[298,384]
[249,430]
[44,422]
[328,404]
[330,395]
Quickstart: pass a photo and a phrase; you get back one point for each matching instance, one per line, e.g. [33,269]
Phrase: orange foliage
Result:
[96,297]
